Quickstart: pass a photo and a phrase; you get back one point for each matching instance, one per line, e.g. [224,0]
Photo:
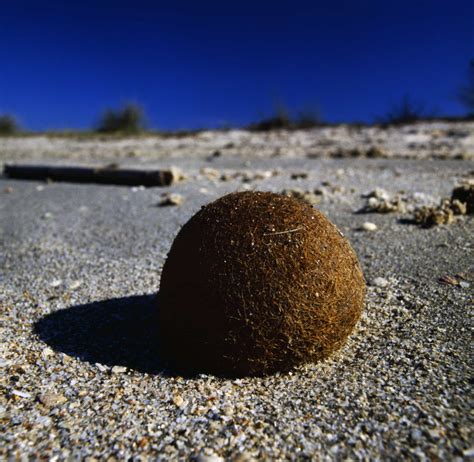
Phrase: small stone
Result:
[376,152]
[305,196]
[101,367]
[48,215]
[175,175]
[228,410]
[47,352]
[465,194]
[40,188]
[43,420]
[464,284]
[55,283]
[299,175]
[21,394]
[7,189]
[209,458]
[4,363]
[244,457]
[368,226]
[75,285]
[434,433]
[171,199]
[178,400]
[118,369]
[210,173]
[51,399]
[468,452]
[416,434]
[458,208]
[380,282]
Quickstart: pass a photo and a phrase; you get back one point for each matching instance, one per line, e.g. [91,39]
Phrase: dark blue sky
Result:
[205,63]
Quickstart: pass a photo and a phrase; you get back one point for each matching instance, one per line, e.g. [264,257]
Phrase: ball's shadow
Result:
[115,332]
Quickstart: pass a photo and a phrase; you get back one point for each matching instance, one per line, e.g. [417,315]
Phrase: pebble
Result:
[118,370]
[468,452]
[171,199]
[244,457]
[55,283]
[206,458]
[416,434]
[101,367]
[210,173]
[228,410]
[368,226]
[75,285]
[380,282]
[299,175]
[178,400]
[51,399]
[47,352]
[21,394]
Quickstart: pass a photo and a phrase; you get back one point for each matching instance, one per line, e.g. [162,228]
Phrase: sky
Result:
[196,64]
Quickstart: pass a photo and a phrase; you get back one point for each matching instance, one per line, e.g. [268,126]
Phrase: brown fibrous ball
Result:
[255,283]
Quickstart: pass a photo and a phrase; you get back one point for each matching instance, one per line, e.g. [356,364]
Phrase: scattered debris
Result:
[171,199]
[442,214]
[299,176]
[460,279]
[379,201]
[465,195]
[248,176]
[371,153]
[310,197]
[376,152]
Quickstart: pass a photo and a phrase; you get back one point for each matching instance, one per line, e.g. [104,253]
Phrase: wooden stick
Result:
[100,175]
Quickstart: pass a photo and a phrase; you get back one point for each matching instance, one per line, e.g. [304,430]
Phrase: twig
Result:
[100,175]
[284,232]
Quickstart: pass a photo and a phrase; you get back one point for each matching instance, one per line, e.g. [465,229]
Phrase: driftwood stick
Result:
[100,175]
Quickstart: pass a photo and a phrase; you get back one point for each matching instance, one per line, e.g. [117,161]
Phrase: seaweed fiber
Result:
[256,283]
